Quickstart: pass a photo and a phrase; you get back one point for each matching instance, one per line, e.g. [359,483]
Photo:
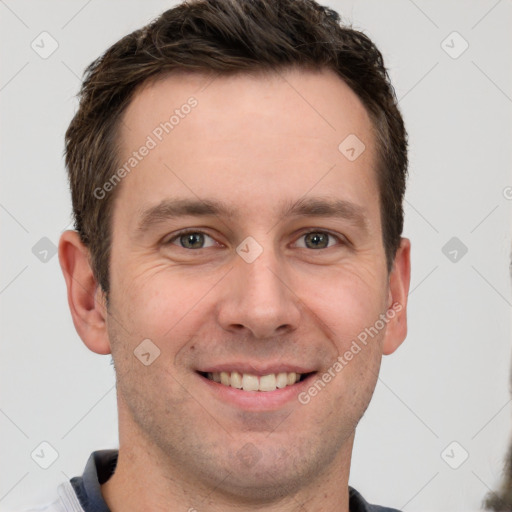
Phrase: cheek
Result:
[159,302]
[348,299]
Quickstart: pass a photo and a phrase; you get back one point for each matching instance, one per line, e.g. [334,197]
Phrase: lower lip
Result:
[258,400]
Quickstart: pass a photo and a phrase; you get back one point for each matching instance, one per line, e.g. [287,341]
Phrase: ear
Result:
[399,281]
[86,299]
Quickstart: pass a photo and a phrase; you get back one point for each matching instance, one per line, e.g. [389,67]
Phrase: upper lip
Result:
[258,369]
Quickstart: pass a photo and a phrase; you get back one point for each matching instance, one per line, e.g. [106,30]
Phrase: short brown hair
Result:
[224,37]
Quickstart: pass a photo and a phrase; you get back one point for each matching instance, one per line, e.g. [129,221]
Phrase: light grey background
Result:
[449,380]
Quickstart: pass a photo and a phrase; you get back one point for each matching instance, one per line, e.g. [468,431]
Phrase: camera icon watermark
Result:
[454,249]
[146,352]
[44,45]
[351,147]
[44,250]
[44,455]
[249,249]
[455,455]
[249,455]
[454,45]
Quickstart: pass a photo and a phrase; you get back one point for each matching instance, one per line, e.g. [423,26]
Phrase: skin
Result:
[256,144]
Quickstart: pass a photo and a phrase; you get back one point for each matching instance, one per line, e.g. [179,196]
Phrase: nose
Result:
[259,297]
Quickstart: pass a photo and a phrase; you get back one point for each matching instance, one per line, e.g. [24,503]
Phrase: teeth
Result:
[250,382]
[224,378]
[267,383]
[281,380]
[236,380]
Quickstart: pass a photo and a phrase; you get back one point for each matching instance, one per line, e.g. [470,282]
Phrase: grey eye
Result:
[191,240]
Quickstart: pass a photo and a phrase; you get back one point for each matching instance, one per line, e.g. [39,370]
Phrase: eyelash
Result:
[196,231]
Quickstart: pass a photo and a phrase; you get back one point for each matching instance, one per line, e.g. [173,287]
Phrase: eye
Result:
[190,240]
[318,239]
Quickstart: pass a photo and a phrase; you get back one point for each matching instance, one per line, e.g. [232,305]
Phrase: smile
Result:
[251,382]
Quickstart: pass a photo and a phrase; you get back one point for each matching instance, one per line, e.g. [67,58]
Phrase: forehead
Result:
[242,101]
[260,135]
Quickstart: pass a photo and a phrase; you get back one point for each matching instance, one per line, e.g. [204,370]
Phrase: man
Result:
[237,172]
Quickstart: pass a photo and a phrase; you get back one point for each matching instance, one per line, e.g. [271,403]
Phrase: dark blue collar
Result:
[99,468]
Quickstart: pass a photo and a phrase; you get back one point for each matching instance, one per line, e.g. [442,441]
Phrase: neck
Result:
[147,479]
[139,484]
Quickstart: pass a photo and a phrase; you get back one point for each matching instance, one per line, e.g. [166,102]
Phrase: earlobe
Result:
[399,281]
[85,297]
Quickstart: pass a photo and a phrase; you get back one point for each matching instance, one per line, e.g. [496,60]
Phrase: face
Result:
[245,242]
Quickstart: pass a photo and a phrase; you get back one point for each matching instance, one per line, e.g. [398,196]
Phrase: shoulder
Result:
[65,501]
[55,506]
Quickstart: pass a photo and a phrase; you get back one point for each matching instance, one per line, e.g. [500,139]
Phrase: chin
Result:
[265,477]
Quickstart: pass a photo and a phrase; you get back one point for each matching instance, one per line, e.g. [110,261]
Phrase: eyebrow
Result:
[169,209]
